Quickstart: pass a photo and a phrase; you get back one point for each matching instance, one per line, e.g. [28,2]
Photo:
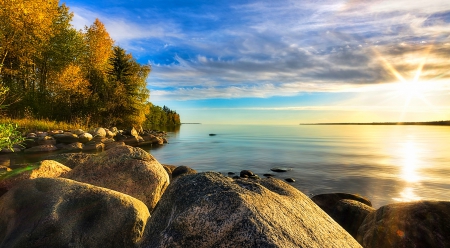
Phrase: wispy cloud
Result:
[267,48]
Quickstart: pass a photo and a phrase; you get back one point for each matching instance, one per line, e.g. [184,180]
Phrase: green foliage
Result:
[10,136]
[161,117]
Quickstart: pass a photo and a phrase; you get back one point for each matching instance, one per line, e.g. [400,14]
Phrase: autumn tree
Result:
[25,28]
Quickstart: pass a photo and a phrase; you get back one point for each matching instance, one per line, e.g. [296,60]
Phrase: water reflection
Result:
[410,164]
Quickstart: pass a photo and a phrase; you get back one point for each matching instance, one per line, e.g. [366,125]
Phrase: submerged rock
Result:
[212,210]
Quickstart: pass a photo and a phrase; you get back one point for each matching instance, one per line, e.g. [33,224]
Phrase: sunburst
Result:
[409,89]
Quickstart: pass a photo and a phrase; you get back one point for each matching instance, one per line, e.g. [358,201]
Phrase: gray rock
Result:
[74,147]
[211,210]
[99,132]
[85,137]
[42,148]
[94,146]
[350,214]
[46,140]
[45,168]
[55,212]
[126,169]
[182,170]
[411,224]
[70,160]
[169,169]
[66,138]
[78,132]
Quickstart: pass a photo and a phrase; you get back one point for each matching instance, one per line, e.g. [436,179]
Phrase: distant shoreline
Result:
[433,123]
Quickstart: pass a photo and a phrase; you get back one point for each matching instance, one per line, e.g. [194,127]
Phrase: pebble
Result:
[268,175]
[279,169]
[231,173]
[290,180]
[247,174]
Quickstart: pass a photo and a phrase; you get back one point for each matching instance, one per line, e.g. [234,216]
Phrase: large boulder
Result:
[211,210]
[411,224]
[45,168]
[70,160]
[56,212]
[126,169]
[348,210]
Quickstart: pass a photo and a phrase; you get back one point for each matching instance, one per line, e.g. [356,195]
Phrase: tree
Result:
[127,88]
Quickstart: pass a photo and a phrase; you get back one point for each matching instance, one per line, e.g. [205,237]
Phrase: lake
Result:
[387,164]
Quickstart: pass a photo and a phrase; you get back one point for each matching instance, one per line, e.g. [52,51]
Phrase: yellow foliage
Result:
[70,81]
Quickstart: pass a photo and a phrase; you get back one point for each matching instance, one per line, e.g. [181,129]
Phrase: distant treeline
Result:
[162,117]
[436,123]
[50,70]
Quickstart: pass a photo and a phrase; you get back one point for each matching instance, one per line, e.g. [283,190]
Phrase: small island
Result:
[428,123]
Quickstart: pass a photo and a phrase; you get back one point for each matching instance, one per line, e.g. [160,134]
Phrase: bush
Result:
[10,136]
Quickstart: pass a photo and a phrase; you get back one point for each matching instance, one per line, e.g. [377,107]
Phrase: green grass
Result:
[33,125]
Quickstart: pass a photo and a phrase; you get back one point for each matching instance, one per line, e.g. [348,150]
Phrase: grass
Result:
[33,125]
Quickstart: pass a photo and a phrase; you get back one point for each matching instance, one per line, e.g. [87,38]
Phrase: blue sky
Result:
[287,62]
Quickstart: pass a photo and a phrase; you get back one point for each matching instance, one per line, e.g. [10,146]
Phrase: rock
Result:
[212,134]
[78,132]
[8,150]
[212,210]
[46,140]
[268,175]
[182,170]
[350,214]
[55,212]
[290,180]
[165,141]
[134,132]
[66,138]
[110,145]
[28,143]
[45,168]
[70,160]
[169,169]
[231,173]
[41,148]
[411,224]
[74,147]
[278,169]
[31,135]
[94,146]
[246,174]
[99,132]
[109,134]
[85,137]
[131,141]
[126,169]
[41,134]
[55,132]
[328,201]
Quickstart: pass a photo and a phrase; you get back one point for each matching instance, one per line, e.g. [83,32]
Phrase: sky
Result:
[286,62]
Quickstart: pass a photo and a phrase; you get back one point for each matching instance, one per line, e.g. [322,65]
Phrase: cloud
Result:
[270,48]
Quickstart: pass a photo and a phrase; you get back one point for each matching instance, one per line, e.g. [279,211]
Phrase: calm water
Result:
[384,163]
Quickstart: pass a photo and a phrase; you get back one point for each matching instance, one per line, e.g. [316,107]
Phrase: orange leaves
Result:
[70,82]
[99,45]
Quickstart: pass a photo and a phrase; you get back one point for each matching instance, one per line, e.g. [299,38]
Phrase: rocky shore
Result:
[98,139]
[123,197]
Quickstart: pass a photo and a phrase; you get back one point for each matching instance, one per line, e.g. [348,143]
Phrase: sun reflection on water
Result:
[410,163]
